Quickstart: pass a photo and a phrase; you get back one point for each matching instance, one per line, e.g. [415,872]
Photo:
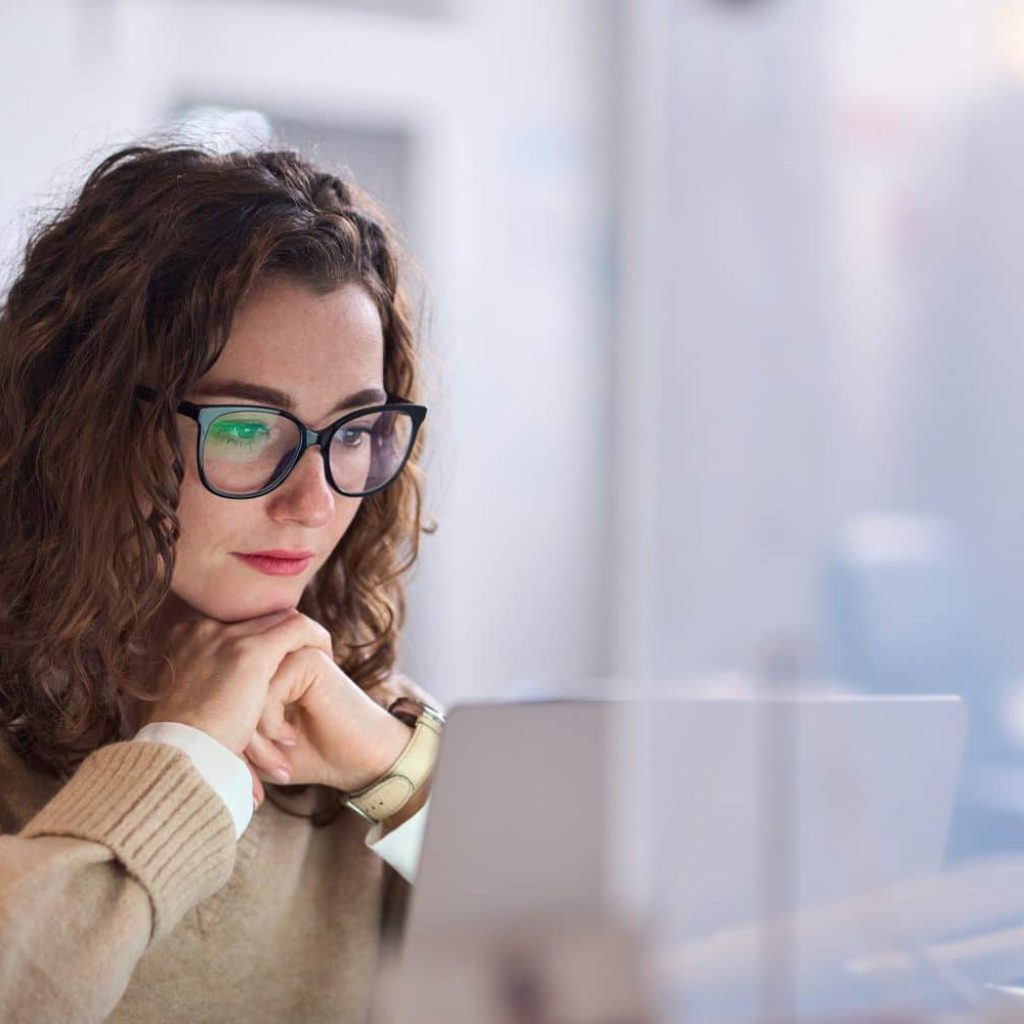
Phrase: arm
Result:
[396,840]
[101,873]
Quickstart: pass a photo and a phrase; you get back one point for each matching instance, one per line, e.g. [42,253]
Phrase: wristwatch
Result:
[393,790]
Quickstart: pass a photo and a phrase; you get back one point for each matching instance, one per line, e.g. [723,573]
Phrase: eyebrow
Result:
[271,396]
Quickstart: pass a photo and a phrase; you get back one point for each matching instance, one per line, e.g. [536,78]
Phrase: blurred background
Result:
[723,324]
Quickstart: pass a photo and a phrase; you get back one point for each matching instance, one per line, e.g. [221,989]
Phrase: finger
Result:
[298,630]
[296,673]
[259,623]
[267,758]
[288,631]
[273,724]
[258,793]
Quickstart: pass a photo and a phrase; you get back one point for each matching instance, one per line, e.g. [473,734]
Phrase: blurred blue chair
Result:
[898,615]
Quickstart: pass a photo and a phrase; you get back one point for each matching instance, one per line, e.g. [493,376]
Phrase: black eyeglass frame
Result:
[204,415]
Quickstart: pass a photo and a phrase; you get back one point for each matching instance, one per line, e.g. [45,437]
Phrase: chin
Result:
[255,611]
[234,611]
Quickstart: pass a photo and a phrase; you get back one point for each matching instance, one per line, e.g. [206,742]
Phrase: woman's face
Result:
[319,351]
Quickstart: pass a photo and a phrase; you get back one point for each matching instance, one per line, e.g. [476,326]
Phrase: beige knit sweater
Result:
[125,897]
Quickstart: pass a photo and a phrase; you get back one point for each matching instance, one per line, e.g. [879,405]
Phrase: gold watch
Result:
[396,787]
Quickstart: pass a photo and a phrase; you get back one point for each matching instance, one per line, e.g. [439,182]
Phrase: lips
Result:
[273,564]
[278,553]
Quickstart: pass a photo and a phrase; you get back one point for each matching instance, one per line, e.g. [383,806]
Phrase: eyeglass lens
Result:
[246,451]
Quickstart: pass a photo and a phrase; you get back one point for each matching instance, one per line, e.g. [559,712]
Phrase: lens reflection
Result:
[246,450]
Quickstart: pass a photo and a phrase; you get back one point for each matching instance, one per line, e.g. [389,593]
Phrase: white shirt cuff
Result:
[401,846]
[224,770]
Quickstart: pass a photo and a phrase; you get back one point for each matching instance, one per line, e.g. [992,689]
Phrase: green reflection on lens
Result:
[241,433]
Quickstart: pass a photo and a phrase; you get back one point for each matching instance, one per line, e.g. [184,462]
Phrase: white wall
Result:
[818,316]
[725,333]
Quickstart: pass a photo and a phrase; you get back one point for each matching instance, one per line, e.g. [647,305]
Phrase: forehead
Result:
[303,342]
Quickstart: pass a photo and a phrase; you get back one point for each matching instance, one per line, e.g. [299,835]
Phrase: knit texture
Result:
[148,805]
[124,897]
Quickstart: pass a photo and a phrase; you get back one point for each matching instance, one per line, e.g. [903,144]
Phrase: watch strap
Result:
[399,783]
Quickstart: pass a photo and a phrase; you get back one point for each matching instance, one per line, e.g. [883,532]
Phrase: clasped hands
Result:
[269,690]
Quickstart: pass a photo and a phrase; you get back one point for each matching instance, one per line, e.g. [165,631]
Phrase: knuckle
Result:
[245,646]
[319,656]
[308,622]
[310,659]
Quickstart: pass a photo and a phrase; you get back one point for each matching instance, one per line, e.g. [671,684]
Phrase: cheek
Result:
[344,516]
[203,520]
[190,500]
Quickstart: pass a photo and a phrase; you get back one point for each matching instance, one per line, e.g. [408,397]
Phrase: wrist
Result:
[389,740]
[389,794]
[212,730]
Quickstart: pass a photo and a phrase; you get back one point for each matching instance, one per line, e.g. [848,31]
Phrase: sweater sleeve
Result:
[222,768]
[103,871]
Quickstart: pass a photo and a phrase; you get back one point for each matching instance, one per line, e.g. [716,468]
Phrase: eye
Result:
[358,433]
[353,437]
[239,433]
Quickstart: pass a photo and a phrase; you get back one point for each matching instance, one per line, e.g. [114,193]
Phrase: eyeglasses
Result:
[246,451]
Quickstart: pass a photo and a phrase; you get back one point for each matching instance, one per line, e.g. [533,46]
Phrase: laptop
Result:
[682,817]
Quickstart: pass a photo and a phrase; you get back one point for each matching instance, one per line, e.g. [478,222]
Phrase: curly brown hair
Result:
[136,281]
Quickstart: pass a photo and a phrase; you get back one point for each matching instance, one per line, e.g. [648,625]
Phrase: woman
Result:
[209,493]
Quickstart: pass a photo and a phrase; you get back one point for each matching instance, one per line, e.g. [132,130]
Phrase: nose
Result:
[305,496]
